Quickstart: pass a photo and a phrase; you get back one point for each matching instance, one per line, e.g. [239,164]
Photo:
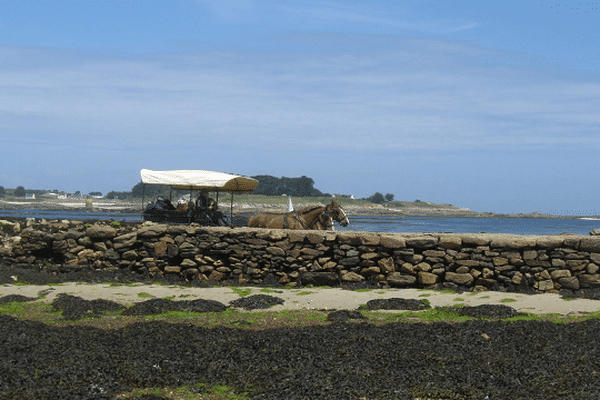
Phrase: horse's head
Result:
[338,213]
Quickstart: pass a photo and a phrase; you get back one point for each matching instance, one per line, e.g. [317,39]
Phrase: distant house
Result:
[30,196]
[343,196]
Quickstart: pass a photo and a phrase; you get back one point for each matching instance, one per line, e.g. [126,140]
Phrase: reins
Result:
[298,217]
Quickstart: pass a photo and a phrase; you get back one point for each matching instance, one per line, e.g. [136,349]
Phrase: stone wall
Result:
[300,258]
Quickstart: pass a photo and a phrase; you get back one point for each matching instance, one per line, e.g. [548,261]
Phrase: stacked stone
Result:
[296,258]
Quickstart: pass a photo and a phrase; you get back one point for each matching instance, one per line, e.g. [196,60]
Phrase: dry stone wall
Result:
[299,258]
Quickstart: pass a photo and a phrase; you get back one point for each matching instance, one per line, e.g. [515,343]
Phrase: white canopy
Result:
[198,179]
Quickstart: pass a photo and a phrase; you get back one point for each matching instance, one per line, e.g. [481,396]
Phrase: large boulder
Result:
[101,232]
[397,279]
[320,278]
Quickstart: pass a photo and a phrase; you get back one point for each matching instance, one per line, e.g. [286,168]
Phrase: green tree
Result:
[20,191]
[150,191]
[2,191]
[377,198]
[389,197]
[297,187]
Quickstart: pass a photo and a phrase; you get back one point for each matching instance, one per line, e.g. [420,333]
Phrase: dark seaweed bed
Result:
[347,358]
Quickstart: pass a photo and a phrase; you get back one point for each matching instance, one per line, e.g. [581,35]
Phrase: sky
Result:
[487,105]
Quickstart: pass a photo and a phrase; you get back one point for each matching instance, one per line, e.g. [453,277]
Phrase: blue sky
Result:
[490,105]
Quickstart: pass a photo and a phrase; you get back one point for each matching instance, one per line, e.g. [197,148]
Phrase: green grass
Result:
[45,313]
[304,293]
[507,300]
[242,292]
[144,294]
[267,290]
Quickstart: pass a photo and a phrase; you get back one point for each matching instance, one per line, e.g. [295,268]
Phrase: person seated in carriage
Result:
[209,205]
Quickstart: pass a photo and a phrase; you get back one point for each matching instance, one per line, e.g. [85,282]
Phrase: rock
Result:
[589,280]
[127,238]
[426,278]
[450,242]
[352,277]
[216,276]
[350,261]
[544,285]
[392,242]
[571,283]
[400,280]
[309,253]
[517,279]
[152,231]
[130,255]
[320,278]
[590,244]
[560,273]
[500,261]
[386,265]
[368,239]
[422,242]
[276,251]
[111,255]
[10,228]
[423,266]
[369,256]
[101,232]
[187,263]
[550,242]
[513,242]
[595,232]
[464,279]
[592,268]
[315,238]
[434,253]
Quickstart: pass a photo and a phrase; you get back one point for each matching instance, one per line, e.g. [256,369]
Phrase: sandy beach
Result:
[306,298]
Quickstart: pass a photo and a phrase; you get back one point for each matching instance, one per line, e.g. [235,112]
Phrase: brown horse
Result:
[317,218]
[338,213]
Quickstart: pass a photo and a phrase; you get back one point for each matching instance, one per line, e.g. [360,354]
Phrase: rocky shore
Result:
[408,209]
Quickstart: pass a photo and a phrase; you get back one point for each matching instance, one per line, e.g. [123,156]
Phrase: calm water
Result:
[519,226]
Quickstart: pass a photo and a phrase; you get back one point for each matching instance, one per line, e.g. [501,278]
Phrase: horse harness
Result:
[297,215]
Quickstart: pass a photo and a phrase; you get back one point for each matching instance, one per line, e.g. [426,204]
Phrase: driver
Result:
[203,202]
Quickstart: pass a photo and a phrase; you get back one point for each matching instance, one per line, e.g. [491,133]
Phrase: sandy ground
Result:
[306,298]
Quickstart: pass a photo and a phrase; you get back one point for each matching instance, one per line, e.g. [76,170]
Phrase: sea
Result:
[391,224]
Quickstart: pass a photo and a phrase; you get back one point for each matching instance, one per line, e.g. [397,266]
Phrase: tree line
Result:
[268,185]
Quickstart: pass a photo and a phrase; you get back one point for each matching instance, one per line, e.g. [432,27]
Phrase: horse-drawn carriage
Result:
[204,210]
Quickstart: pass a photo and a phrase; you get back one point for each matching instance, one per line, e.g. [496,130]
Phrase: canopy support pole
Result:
[143,194]
[231,212]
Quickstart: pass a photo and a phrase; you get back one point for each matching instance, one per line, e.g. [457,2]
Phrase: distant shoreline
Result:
[406,209]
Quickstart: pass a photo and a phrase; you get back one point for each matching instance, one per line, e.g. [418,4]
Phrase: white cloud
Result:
[409,95]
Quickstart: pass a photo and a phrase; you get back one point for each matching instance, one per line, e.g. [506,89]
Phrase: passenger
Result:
[203,202]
